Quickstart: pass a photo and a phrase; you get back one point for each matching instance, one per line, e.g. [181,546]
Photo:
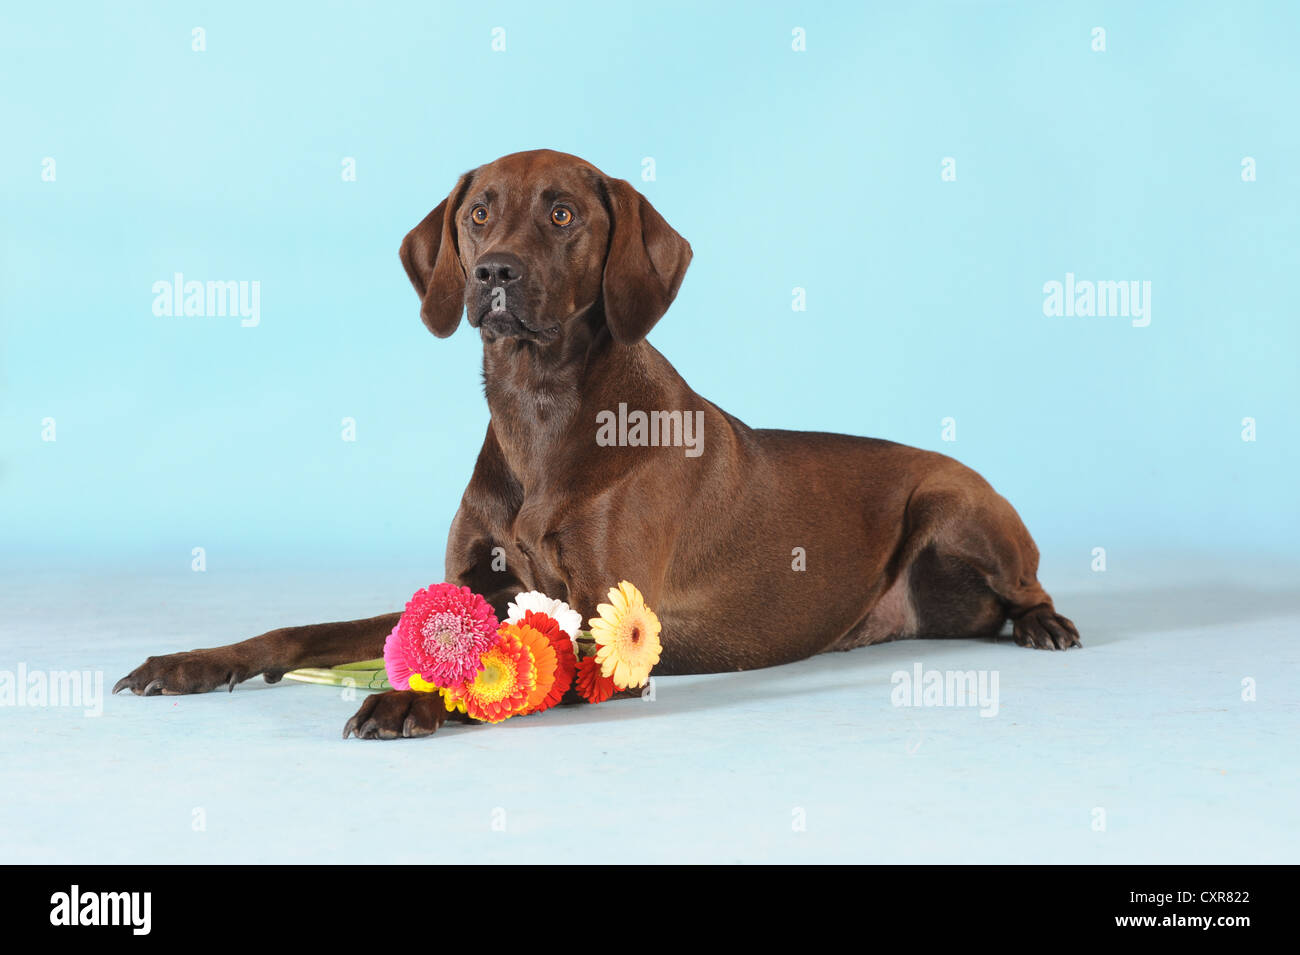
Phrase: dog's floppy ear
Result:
[645,266]
[431,258]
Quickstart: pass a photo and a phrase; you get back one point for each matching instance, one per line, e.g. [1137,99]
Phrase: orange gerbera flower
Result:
[566,660]
[501,689]
[591,684]
[627,637]
[544,664]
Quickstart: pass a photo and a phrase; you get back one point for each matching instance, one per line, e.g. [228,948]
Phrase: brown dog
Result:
[837,541]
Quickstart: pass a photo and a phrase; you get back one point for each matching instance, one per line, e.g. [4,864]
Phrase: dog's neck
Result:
[535,393]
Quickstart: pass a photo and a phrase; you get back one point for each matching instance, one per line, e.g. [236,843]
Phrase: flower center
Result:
[636,634]
[496,680]
[443,629]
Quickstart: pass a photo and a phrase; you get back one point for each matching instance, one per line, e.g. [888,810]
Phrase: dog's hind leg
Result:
[971,564]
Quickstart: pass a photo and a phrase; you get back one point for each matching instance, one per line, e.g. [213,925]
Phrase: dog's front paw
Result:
[397,713]
[1044,629]
[196,671]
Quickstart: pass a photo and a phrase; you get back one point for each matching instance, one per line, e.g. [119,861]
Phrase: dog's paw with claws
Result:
[1045,629]
[397,714]
[196,671]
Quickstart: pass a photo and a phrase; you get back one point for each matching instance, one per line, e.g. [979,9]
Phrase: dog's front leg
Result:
[273,654]
[406,714]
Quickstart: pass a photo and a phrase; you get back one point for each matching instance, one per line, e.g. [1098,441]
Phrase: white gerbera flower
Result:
[570,620]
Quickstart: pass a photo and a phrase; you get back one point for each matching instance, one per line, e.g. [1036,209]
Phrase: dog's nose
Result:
[499,268]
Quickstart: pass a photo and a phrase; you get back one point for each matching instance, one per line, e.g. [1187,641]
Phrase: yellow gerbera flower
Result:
[627,637]
[450,697]
[454,701]
[422,685]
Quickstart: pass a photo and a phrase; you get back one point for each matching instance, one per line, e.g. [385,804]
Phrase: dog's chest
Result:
[534,538]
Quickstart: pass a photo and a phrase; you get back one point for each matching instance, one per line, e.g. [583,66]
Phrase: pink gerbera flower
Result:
[442,636]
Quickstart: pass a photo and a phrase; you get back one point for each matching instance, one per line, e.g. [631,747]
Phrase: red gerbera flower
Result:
[591,684]
[565,659]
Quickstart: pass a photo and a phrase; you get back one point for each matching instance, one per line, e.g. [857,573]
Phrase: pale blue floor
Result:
[1147,723]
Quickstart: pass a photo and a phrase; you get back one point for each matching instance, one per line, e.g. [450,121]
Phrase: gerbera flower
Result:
[591,685]
[422,685]
[442,635]
[545,663]
[566,662]
[454,699]
[501,688]
[570,620]
[627,637]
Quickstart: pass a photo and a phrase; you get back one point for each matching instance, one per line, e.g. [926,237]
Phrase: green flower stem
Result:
[585,644]
[362,676]
[375,664]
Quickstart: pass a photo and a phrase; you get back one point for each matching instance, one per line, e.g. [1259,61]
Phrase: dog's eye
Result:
[561,216]
[479,214]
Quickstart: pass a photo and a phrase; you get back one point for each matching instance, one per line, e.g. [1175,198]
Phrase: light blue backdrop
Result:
[818,169]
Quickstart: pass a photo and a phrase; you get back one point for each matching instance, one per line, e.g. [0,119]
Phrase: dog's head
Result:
[535,240]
